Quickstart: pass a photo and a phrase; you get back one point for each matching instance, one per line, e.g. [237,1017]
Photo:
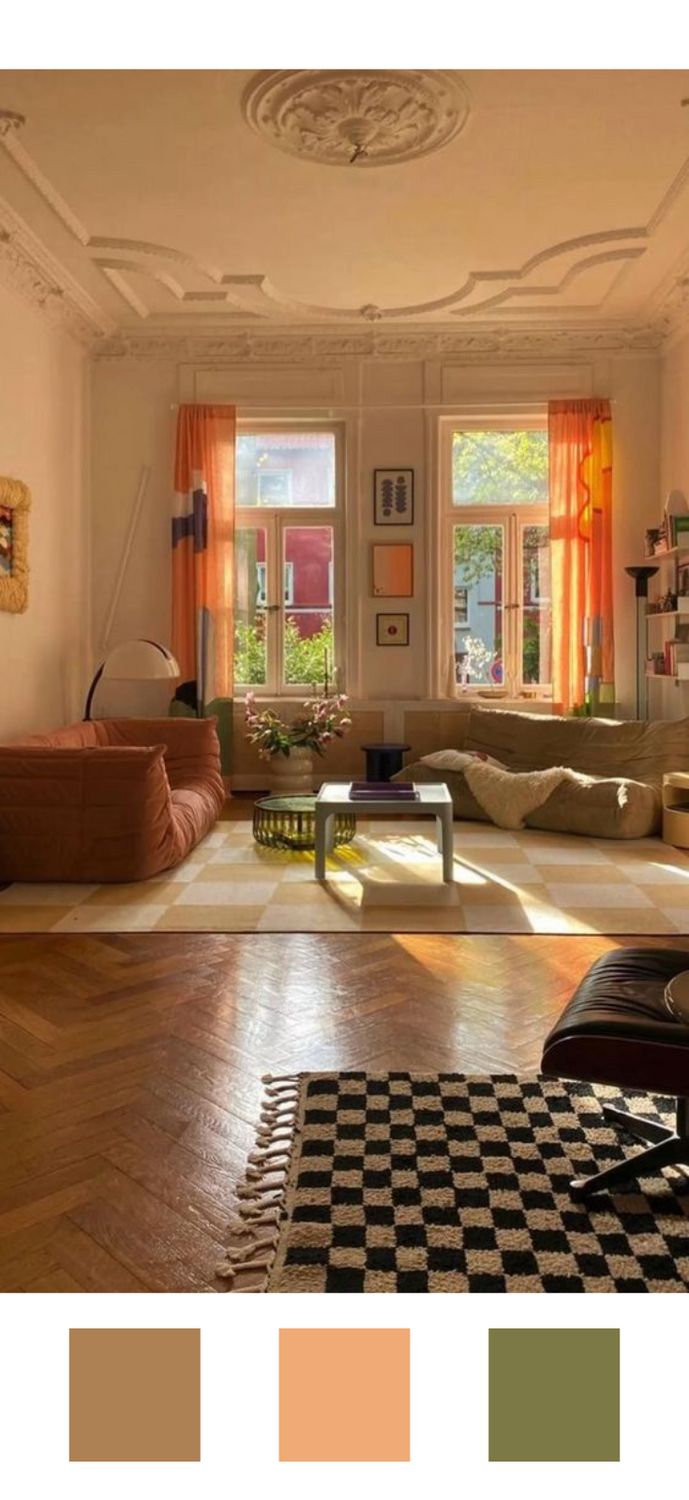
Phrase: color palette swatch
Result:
[135,1394]
[344,1395]
[554,1394]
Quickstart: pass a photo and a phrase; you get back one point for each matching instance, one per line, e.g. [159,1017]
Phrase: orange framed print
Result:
[393,570]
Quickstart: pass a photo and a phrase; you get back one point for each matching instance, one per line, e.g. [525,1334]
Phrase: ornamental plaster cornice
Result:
[332,347]
[28,269]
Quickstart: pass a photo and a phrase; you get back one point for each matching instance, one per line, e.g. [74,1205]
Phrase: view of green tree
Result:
[249,652]
[531,667]
[500,468]
[304,656]
[478,552]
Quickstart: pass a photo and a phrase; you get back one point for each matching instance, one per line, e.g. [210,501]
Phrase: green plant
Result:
[249,652]
[304,656]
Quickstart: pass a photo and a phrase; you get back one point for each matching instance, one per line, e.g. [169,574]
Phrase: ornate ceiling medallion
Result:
[372,118]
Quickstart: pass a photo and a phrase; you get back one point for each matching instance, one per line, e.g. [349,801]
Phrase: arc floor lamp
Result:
[133,661]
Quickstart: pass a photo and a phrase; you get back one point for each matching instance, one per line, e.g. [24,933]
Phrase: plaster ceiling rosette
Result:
[374,117]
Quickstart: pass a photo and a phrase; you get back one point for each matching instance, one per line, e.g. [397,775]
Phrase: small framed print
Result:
[393,570]
[393,497]
[392,630]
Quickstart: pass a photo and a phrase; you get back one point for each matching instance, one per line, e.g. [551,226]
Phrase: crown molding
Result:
[306,347]
[669,311]
[27,268]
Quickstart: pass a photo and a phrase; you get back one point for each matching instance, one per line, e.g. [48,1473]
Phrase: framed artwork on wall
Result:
[15,500]
[393,497]
[393,570]
[392,630]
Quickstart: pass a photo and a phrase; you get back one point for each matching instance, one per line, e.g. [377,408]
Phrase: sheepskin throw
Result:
[509,796]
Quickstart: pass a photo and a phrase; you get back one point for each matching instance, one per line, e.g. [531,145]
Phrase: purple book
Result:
[393,791]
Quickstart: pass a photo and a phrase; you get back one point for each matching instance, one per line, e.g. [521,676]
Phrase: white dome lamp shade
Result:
[134,661]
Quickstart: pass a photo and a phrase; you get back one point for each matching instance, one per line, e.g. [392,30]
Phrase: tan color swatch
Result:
[134,1395]
[344,1395]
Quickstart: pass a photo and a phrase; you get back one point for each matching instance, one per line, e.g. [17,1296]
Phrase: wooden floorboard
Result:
[130,1072]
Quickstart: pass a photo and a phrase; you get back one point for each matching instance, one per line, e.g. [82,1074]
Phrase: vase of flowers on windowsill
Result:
[290,747]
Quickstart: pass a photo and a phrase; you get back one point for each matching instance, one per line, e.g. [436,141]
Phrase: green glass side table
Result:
[290,823]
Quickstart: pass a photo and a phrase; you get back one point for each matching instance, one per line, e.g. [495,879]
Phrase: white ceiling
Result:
[150,202]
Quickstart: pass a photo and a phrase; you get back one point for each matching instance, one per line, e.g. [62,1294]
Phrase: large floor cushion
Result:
[607,808]
[110,800]
[626,760]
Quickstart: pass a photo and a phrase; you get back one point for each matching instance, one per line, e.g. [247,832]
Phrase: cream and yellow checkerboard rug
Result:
[388,880]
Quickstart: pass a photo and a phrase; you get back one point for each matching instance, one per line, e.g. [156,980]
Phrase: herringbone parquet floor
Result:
[130,1070]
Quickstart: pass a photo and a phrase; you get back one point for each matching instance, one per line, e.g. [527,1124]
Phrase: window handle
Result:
[270,608]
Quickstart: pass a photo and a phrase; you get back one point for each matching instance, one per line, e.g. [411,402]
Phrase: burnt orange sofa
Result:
[107,800]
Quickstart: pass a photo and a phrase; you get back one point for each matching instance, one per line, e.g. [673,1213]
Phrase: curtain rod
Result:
[460,409]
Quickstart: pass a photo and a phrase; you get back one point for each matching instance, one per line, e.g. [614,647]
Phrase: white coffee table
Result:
[335,798]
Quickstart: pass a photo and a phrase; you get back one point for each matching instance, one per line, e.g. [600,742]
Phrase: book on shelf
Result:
[676,653]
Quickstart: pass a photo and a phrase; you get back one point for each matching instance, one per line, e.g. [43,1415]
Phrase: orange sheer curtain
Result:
[203,560]
[580,456]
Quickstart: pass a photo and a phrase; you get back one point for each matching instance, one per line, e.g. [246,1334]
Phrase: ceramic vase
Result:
[292,774]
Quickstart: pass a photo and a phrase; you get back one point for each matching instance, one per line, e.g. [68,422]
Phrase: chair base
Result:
[670,1148]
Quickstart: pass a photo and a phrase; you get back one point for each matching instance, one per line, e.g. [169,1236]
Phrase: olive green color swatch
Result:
[554,1394]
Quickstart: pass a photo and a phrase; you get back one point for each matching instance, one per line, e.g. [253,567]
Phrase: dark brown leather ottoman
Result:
[617,1029]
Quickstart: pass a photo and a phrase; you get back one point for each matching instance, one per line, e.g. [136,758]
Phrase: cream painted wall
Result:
[43,430]
[390,412]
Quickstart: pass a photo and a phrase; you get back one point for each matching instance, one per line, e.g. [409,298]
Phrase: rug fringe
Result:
[255,1231]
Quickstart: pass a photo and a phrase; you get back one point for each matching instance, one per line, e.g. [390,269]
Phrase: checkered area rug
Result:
[388,880]
[448,1183]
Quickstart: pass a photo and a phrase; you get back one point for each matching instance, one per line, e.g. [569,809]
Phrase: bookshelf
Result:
[667,628]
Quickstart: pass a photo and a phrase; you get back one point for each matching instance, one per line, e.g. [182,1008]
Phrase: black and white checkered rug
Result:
[449,1183]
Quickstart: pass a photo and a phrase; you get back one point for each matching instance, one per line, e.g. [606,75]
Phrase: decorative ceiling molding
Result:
[669,310]
[27,268]
[307,347]
[166,288]
[9,138]
[373,117]
[674,318]
[142,276]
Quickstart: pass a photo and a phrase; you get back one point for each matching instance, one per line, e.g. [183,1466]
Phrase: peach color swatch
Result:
[134,1395]
[344,1395]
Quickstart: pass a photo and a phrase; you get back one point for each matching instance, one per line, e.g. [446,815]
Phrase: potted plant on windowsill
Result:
[290,746]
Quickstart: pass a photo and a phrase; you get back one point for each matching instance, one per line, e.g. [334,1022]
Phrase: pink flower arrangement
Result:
[324,721]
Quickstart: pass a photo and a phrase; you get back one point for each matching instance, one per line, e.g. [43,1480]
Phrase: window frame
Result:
[513,518]
[275,520]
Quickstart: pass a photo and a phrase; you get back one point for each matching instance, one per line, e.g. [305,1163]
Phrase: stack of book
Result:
[377,791]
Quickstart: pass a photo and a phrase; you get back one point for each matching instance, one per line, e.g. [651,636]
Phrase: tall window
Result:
[497,541]
[285,557]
